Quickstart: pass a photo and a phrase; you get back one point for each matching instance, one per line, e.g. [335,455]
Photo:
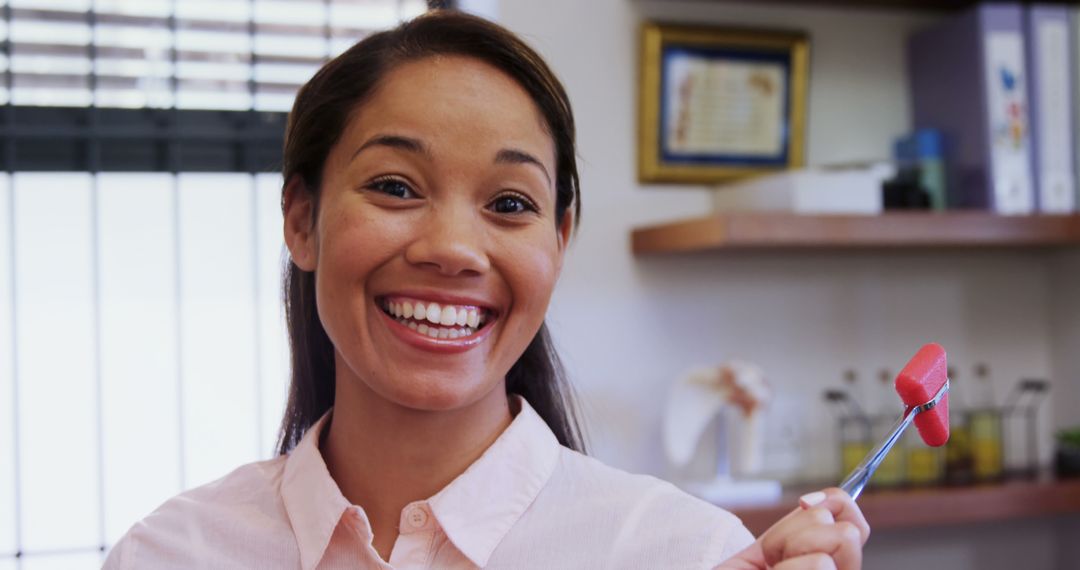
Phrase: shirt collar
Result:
[478,508]
[312,499]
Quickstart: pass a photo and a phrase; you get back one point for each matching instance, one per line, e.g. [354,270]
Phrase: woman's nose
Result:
[450,241]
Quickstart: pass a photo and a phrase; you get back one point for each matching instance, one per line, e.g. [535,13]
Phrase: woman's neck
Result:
[383,455]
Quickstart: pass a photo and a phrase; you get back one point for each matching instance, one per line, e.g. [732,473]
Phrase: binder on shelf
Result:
[968,81]
[1051,92]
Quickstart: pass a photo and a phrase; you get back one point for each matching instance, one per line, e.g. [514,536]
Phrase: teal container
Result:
[923,149]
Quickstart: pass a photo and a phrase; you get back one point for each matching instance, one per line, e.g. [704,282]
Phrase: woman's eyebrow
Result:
[395,141]
[504,156]
[515,156]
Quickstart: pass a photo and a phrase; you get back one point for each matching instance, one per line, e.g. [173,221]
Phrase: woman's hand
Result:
[826,532]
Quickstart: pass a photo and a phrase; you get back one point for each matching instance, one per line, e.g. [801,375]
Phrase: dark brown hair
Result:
[323,108]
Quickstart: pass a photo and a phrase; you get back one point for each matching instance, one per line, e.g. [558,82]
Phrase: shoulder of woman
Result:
[195,523]
[606,484]
[648,507]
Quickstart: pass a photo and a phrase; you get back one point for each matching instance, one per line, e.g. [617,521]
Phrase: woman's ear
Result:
[299,210]
[563,234]
[566,229]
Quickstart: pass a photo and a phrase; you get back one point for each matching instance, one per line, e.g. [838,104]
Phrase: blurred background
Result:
[141,338]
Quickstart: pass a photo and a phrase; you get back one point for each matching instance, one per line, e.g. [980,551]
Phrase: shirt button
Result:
[417,517]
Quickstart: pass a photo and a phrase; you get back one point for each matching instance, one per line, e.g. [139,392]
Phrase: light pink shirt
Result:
[527,502]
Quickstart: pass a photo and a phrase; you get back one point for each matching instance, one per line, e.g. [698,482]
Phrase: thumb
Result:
[750,558]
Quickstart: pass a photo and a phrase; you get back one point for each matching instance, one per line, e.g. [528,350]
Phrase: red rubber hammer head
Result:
[918,383]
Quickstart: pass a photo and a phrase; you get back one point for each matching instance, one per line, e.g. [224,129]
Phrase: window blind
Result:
[187,54]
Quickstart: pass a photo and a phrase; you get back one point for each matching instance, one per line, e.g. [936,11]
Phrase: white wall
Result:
[628,326]
[805,317]
[1065,332]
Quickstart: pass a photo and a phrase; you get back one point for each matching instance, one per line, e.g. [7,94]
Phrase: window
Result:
[142,344]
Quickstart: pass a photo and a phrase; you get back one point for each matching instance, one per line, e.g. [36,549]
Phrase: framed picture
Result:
[720,104]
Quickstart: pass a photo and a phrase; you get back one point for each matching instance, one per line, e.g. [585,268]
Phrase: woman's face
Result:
[436,246]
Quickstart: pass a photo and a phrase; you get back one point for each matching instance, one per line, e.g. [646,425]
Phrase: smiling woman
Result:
[439,197]
[430,190]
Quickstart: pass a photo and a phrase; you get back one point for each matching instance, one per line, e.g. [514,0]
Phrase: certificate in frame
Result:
[720,104]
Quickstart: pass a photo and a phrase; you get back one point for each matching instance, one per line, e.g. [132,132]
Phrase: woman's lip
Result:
[443,345]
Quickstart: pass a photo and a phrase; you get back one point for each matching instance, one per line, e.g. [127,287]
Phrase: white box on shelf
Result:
[843,189]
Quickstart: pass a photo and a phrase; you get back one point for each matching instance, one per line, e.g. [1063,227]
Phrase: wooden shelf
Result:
[780,231]
[941,506]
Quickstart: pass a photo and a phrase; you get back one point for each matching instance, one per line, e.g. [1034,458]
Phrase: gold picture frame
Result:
[718,104]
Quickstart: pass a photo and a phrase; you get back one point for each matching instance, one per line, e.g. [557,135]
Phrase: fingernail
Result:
[812,499]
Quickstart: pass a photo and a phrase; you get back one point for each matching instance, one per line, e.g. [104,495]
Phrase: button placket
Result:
[416,517]
[414,546]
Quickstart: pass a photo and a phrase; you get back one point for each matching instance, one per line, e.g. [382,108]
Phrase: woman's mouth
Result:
[436,320]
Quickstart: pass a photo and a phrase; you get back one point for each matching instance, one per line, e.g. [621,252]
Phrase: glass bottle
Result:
[854,427]
[959,462]
[888,408]
[985,425]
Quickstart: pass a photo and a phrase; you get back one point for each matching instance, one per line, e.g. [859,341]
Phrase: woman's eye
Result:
[393,187]
[512,204]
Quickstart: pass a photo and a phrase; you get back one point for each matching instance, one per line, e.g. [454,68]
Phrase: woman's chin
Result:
[437,392]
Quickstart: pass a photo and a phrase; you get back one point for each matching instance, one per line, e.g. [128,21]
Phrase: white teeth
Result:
[439,332]
[448,316]
[464,320]
[434,313]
